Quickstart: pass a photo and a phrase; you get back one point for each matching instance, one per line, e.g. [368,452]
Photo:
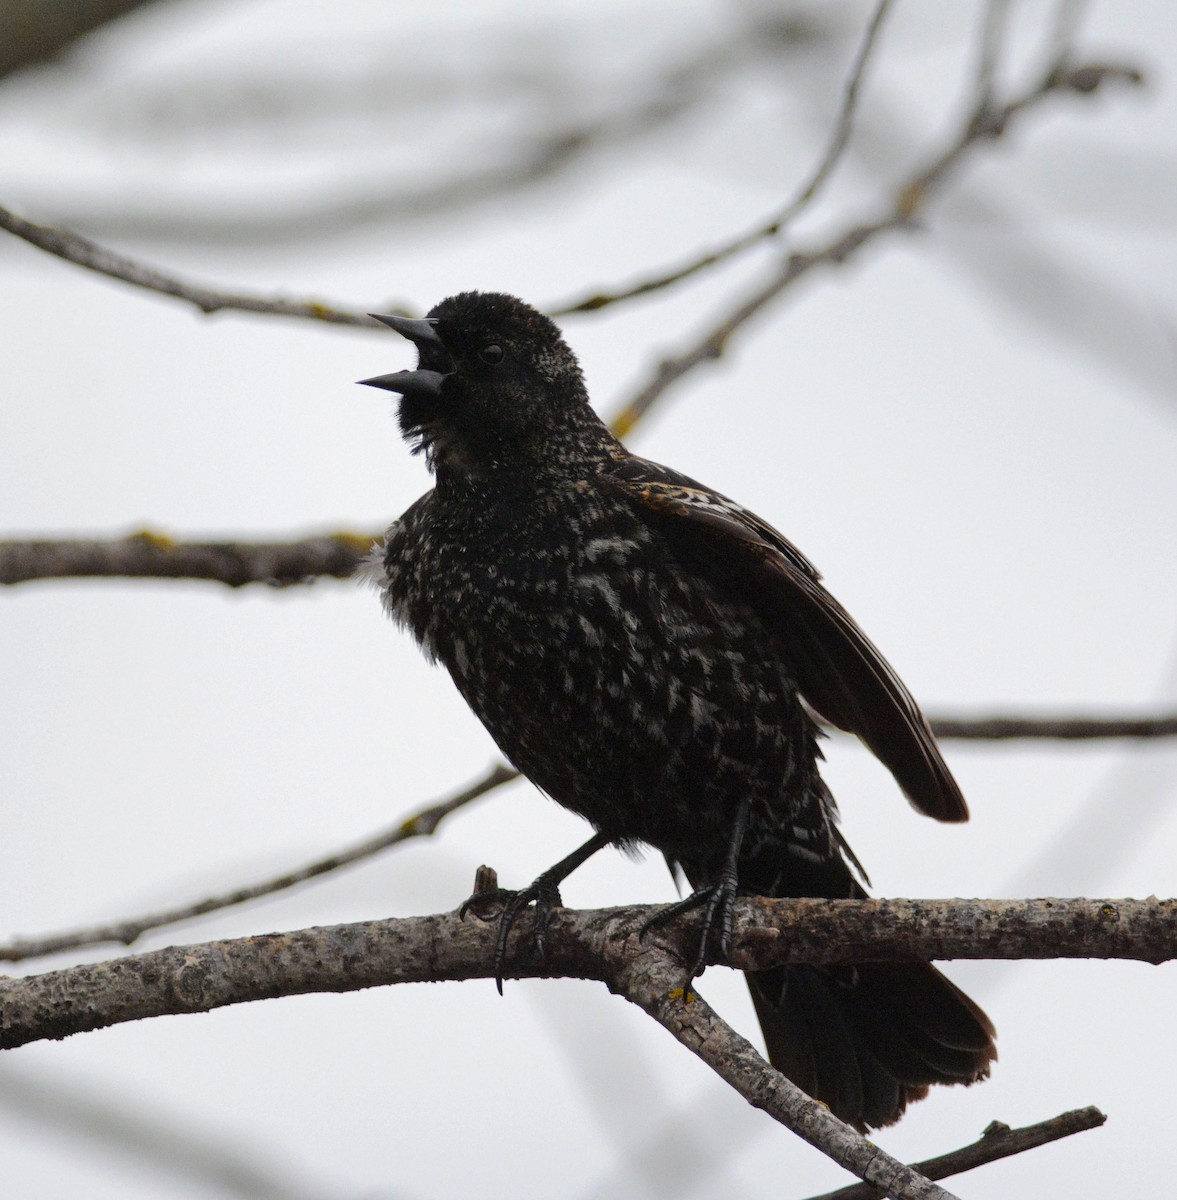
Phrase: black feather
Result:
[650,654]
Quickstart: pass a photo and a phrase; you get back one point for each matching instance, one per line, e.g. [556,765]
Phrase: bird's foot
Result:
[718,904]
[544,893]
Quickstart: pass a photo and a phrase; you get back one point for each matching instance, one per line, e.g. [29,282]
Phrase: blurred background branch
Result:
[38,31]
[161,745]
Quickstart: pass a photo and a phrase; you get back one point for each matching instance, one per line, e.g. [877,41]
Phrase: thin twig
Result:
[764,230]
[425,822]
[911,197]
[1067,729]
[126,932]
[651,99]
[712,345]
[1068,18]
[85,253]
[998,1141]
[989,52]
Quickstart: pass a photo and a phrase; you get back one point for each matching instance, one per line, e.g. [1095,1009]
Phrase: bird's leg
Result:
[719,898]
[544,893]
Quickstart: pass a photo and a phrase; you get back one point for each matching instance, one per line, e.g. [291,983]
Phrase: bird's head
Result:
[496,387]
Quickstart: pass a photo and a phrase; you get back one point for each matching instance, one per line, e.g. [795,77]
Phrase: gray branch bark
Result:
[998,1141]
[148,555]
[579,944]
[604,945]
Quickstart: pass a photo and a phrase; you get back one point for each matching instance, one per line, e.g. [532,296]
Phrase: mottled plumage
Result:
[651,655]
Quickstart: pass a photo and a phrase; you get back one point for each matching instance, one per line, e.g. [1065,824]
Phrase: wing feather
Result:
[839,671]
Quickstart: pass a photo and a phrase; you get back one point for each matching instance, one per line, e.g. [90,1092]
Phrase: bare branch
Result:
[1067,19]
[1069,729]
[74,248]
[579,945]
[36,31]
[420,824]
[150,555]
[604,945]
[780,219]
[998,1141]
[771,932]
[911,198]
[989,52]
[533,75]
[425,822]
[653,981]
[85,253]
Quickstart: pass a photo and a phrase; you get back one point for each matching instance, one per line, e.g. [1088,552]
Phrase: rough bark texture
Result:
[580,944]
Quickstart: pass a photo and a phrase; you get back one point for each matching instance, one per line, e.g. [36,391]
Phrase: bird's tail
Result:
[867,1040]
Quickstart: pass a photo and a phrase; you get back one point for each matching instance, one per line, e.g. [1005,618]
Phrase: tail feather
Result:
[866,1040]
[869,1040]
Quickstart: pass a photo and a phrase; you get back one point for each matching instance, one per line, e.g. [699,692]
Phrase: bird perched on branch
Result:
[651,655]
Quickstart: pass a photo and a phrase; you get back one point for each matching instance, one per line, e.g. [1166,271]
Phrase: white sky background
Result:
[972,431]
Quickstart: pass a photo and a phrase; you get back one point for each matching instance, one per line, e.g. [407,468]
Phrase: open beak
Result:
[422,383]
[422,333]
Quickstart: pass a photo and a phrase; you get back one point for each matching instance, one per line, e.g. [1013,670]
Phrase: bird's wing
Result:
[839,672]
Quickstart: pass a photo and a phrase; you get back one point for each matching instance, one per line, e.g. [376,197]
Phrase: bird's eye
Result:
[491,354]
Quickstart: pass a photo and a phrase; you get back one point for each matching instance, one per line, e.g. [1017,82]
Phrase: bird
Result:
[659,660]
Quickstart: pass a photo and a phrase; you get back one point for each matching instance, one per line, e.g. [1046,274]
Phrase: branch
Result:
[85,253]
[998,1141]
[425,823]
[603,945]
[580,944]
[421,824]
[1069,729]
[597,945]
[779,220]
[984,125]
[37,31]
[995,19]
[773,932]
[150,555]
[570,125]
[653,981]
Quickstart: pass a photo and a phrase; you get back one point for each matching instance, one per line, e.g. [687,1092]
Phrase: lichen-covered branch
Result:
[579,944]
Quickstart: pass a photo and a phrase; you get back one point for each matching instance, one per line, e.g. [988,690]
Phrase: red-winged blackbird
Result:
[650,654]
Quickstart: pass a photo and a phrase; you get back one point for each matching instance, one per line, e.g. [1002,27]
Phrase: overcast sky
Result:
[971,429]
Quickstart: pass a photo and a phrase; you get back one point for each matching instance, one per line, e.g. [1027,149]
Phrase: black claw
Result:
[717,923]
[544,893]
[546,898]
